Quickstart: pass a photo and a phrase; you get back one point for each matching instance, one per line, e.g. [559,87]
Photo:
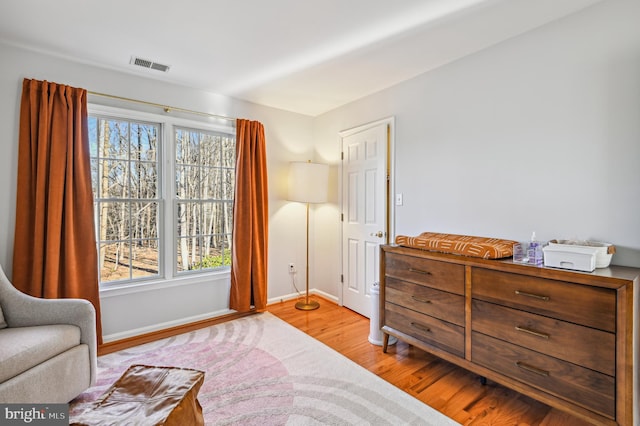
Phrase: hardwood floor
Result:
[449,389]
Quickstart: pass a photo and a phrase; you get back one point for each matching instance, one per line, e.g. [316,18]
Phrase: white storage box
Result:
[570,257]
[604,250]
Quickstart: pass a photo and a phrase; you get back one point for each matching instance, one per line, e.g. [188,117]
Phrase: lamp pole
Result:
[307,305]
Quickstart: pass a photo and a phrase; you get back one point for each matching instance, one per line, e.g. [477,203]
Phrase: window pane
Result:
[213,216]
[144,139]
[144,258]
[113,139]
[228,184]
[93,136]
[94,177]
[179,140]
[217,252]
[187,182]
[223,249]
[144,180]
[228,219]
[210,150]
[189,256]
[182,258]
[144,220]
[114,262]
[114,179]
[228,152]
[187,147]
[211,188]
[188,217]
[114,221]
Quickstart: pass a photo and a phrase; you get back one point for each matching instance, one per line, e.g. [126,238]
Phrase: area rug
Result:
[259,370]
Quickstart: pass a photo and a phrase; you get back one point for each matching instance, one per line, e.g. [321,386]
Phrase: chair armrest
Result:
[23,310]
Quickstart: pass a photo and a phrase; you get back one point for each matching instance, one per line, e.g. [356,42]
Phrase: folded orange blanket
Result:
[486,248]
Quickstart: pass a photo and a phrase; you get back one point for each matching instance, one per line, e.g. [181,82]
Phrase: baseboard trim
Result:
[129,342]
[114,337]
[292,296]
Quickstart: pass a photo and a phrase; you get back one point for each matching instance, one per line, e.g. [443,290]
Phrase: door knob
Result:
[378,234]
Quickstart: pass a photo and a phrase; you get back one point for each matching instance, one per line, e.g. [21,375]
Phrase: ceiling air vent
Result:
[145,63]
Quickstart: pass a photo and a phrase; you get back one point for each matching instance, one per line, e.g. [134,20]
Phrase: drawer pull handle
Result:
[532,369]
[535,296]
[419,271]
[417,299]
[533,332]
[420,327]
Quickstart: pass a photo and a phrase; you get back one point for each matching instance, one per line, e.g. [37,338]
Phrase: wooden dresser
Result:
[563,337]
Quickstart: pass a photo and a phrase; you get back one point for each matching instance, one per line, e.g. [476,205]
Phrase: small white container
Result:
[570,257]
[604,252]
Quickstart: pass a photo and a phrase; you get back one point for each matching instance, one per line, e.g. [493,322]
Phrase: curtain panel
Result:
[54,245]
[250,220]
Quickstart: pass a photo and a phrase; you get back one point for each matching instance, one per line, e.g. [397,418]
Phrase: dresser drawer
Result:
[584,346]
[426,300]
[590,389]
[432,273]
[580,304]
[441,334]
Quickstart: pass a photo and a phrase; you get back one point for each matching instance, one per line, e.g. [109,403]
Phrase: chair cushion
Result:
[22,348]
[466,245]
[3,323]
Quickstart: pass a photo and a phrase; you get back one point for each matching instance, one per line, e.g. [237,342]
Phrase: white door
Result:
[365,210]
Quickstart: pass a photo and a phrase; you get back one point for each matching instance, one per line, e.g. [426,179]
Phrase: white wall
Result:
[132,311]
[539,133]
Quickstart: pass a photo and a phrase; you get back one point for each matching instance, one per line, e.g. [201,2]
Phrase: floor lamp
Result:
[308,183]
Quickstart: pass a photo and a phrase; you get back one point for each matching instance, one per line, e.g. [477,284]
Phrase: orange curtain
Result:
[250,220]
[55,248]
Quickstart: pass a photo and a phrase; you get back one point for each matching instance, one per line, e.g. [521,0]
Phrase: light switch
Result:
[399,199]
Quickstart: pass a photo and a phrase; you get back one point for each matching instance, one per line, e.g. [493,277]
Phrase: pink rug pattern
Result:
[259,370]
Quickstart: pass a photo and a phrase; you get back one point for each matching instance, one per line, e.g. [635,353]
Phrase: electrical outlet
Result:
[292,268]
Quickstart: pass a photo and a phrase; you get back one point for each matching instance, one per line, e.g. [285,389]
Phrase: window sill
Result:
[157,284]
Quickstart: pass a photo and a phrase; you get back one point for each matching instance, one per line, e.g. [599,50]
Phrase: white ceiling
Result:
[307,56]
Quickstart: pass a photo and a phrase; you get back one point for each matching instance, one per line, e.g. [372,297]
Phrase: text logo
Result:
[34,414]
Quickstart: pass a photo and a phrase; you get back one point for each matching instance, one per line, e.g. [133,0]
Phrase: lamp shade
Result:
[308,182]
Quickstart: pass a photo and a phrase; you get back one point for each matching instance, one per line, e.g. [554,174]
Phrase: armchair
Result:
[48,349]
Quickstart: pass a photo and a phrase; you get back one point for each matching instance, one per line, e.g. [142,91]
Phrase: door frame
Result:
[390,190]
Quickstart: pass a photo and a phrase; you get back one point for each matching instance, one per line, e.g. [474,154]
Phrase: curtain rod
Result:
[164,107]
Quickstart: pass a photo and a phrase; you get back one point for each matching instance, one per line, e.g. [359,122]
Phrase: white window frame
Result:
[168,275]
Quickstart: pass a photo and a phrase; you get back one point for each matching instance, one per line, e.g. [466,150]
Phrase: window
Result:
[156,219]
[205,176]
[124,170]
